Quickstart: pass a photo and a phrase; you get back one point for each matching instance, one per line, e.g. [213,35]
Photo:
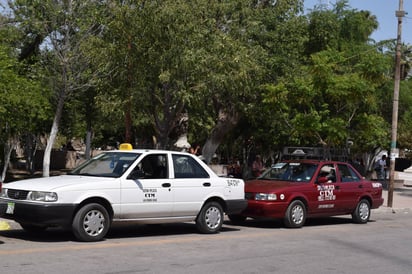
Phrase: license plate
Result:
[10,208]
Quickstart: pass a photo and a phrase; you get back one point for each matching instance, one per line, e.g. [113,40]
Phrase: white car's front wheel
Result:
[91,223]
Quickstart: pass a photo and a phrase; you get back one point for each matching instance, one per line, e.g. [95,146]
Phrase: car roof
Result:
[313,161]
[146,151]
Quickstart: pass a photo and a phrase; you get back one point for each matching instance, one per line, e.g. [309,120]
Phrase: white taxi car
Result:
[143,186]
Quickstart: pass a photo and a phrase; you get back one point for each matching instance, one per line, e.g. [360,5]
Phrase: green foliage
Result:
[289,79]
[22,101]
[336,89]
[405,114]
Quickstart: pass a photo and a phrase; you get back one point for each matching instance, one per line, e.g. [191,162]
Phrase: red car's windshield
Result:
[296,172]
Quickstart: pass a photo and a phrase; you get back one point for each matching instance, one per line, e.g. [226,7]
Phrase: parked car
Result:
[142,186]
[298,189]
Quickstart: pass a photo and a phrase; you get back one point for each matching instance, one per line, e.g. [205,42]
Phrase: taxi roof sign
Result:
[125,146]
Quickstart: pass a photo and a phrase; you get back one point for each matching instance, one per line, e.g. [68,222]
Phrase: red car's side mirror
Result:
[322,180]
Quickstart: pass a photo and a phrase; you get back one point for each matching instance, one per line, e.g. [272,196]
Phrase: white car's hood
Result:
[55,182]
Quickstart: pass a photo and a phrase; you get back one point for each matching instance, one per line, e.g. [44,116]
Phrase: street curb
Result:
[385,209]
[407,183]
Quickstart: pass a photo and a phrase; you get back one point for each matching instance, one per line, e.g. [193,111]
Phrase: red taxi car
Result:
[298,189]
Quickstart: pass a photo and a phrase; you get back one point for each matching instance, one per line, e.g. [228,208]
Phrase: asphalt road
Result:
[329,245]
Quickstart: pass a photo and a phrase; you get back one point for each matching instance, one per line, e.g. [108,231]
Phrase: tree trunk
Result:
[53,134]
[128,122]
[169,121]
[30,150]
[48,150]
[226,122]
[8,148]
[89,134]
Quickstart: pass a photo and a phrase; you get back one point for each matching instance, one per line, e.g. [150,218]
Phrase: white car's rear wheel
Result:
[210,218]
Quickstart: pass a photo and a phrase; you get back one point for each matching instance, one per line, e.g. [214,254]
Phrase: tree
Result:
[243,56]
[388,48]
[61,28]
[121,63]
[181,55]
[282,34]
[334,96]
[22,104]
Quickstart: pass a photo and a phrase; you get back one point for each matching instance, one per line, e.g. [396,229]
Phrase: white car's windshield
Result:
[296,172]
[107,164]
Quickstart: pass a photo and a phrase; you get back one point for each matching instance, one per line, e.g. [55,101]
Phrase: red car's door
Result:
[350,187]
[327,193]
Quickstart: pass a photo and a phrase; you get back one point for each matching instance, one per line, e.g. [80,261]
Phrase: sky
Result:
[384,10]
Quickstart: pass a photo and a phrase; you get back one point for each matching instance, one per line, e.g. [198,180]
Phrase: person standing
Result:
[257,166]
[382,168]
[193,150]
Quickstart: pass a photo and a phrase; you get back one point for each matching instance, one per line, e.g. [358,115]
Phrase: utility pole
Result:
[394,151]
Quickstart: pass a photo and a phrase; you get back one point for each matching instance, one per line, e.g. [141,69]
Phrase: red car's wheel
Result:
[295,214]
[362,212]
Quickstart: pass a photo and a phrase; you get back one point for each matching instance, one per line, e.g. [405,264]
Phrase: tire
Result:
[33,228]
[237,219]
[91,223]
[210,218]
[295,215]
[362,212]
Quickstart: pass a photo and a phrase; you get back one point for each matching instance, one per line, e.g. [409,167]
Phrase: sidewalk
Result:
[402,194]
[401,199]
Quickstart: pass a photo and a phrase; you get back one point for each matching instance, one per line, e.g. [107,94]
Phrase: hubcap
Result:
[213,217]
[93,223]
[364,211]
[297,214]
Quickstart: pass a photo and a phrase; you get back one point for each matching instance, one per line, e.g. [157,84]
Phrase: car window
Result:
[187,167]
[329,172]
[347,174]
[109,164]
[296,172]
[153,166]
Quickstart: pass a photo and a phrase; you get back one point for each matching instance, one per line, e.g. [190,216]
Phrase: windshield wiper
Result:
[87,174]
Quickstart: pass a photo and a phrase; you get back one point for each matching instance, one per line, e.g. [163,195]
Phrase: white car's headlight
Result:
[42,196]
[266,196]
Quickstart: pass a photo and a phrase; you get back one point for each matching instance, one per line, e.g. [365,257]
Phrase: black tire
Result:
[91,223]
[295,216]
[237,219]
[210,218]
[362,212]
[33,228]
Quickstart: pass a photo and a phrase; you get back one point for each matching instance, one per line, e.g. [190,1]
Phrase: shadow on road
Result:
[117,231]
[311,222]
[121,231]
[50,235]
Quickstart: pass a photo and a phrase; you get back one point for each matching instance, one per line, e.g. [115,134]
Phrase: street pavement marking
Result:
[100,245]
